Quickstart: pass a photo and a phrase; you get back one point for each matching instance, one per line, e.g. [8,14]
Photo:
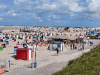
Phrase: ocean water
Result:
[46,26]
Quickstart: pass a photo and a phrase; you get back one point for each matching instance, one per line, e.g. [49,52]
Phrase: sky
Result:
[73,13]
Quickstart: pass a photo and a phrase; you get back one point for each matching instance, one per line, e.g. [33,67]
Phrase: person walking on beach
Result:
[83,46]
[57,51]
[71,46]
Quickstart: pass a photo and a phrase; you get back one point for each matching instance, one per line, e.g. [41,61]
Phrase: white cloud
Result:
[58,21]
[42,10]
[47,7]
[40,20]
[36,2]
[14,14]
[54,17]
[91,16]
[2,6]
[20,1]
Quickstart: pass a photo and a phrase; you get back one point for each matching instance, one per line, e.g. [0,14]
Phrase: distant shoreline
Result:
[42,26]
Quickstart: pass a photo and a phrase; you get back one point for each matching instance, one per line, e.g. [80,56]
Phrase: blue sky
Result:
[83,13]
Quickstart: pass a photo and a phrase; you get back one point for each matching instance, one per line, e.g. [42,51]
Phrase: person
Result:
[83,46]
[76,40]
[57,51]
[91,43]
[76,46]
[81,39]
[71,46]
[18,42]
[26,40]
[20,30]
[48,47]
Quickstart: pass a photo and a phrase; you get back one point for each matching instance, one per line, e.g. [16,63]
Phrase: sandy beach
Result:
[47,61]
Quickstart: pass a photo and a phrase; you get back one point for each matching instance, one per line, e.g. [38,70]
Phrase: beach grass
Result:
[87,64]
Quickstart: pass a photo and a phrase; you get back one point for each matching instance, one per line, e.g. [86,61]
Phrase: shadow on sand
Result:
[29,67]
[54,54]
[14,56]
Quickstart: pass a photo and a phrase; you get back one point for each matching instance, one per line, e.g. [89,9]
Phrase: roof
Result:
[23,49]
[72,37]
[64,37]
[55,42]
[15,46]
[59,36]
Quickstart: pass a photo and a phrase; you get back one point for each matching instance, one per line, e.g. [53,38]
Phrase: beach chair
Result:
[37,43]
[41,45]
[44,44]
[48,44]
[32,45]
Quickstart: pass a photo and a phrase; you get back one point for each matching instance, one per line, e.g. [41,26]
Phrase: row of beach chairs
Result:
[40,44]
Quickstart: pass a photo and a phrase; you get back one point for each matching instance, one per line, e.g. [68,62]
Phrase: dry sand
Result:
[47,61]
